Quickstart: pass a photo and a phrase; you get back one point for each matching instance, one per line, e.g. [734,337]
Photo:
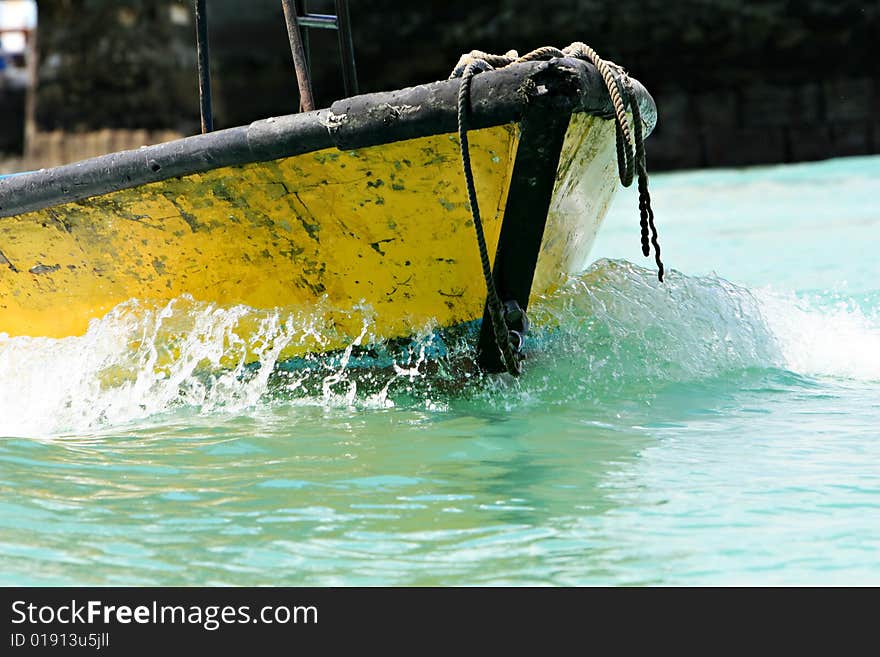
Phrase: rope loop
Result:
[631,163]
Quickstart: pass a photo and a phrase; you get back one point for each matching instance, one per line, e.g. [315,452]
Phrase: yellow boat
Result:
[362,204]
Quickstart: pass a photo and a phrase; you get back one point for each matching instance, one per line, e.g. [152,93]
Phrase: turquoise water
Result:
[719,429]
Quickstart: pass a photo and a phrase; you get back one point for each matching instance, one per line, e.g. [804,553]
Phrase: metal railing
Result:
[297,17]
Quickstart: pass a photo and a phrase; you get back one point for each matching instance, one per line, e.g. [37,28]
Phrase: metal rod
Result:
[204,67]
[30,99]
[346,49]
[303,10]
[306,98]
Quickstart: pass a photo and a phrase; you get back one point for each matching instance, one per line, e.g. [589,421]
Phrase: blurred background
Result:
[735,83]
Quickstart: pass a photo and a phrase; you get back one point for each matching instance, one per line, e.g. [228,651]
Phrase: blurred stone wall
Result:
[735,82]
[11,120]
[115,64]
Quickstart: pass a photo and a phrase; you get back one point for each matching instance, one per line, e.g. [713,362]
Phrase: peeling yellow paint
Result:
[386,226]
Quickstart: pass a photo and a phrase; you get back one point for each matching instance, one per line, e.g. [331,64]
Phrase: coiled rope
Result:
[630,161]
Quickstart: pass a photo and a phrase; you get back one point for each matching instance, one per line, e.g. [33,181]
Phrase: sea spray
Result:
[613,332]
[621,326]
[140,360]
[823,338]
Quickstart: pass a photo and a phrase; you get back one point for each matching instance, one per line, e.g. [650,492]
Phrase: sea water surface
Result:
[721,428]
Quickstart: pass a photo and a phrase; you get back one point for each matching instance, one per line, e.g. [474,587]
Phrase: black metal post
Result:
[204,67]
[303,17]
[346,48]
[303,79]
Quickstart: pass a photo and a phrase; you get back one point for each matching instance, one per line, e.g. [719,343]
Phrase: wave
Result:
[612,331]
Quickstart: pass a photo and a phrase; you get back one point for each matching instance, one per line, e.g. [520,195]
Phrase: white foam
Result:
[821,340]
[138,361]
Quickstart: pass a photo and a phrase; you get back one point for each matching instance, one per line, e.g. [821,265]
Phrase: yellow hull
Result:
[383,227]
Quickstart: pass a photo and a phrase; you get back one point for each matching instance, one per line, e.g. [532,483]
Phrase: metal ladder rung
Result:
[340,21]
[320,21]
[298,16]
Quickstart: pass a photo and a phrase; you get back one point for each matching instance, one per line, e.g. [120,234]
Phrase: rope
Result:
[631,160]
[496,310]
[646,213]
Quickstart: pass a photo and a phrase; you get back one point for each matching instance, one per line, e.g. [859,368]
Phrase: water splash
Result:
[621,326]
[140,360]
[612,331]
[824,338]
